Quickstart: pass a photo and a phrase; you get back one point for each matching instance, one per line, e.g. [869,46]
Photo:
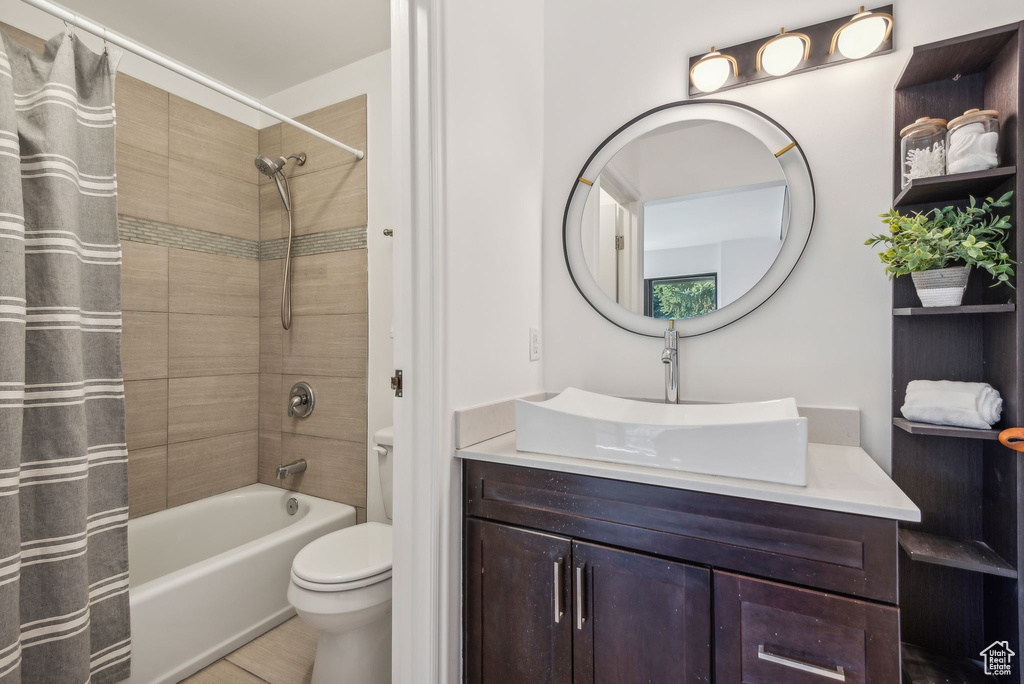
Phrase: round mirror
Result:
[696,211]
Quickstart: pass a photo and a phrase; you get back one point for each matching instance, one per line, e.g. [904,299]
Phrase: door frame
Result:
[425,602]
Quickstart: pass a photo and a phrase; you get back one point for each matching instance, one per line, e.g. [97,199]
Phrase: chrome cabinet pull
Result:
[836,674]
[579,597]
[559,608]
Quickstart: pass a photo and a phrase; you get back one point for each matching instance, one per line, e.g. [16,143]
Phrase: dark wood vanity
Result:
[573,578]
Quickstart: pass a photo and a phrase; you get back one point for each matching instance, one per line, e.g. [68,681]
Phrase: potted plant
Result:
[939,247]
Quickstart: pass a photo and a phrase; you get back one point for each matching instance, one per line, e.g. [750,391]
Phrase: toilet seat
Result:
[339,586]
[347,559]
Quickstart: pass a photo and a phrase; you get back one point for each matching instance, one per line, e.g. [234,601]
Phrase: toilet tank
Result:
[384,444]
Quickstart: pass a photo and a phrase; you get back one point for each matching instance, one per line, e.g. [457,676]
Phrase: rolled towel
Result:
[961,404]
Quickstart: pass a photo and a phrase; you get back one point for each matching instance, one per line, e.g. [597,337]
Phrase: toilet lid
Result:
[348,555]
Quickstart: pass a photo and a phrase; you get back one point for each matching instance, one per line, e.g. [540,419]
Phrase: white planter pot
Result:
[943,286]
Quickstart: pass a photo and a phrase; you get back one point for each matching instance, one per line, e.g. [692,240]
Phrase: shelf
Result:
[975,556]
[954,310]
[944,430]
[949,58]
[957,186]
[922,667]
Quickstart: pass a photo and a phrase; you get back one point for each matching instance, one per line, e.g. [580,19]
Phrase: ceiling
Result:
[260,47]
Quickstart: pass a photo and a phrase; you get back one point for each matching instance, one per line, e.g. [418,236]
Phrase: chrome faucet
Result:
[292,468]
[670,357]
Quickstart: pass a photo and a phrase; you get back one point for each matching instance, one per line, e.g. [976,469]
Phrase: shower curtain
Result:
[63,459]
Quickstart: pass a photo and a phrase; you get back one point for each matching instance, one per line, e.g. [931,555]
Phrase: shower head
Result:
[270,167]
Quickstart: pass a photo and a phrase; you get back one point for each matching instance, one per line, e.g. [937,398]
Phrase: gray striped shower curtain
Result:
[63,460]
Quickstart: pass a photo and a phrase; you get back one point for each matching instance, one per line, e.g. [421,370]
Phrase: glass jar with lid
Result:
[972,143]
[923,149]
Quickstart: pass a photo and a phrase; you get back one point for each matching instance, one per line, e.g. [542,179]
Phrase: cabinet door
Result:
[639,619]
[768,633]
[518,623]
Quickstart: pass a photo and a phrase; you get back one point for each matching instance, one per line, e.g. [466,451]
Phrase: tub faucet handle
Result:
[301,400]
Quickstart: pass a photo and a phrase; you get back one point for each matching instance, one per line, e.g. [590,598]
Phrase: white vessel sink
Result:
[764,441]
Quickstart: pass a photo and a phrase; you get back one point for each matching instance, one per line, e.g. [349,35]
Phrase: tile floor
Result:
[284,655]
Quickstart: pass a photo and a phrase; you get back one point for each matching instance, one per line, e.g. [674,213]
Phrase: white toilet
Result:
[341,585]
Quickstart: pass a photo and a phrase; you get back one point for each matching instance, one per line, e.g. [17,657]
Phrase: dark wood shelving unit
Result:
[923,667]
[959,587]
[966,309]
[952,188]
[954,553]
[943,430]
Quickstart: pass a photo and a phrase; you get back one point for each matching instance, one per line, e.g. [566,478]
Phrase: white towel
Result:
[961,404]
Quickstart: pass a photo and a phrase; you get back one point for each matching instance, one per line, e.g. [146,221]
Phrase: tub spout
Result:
[292,468]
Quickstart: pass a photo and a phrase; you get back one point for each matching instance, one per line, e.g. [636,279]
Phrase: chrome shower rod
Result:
[78,21]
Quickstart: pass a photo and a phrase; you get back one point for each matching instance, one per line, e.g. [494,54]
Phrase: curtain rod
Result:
[144,52]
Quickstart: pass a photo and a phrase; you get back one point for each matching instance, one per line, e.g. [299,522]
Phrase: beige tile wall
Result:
[327,343]
[190,346]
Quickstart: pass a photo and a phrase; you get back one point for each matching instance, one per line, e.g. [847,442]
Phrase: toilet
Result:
[341,585]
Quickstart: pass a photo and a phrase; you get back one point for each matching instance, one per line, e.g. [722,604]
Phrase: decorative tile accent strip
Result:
[169,235]
[150,232]
[315,243]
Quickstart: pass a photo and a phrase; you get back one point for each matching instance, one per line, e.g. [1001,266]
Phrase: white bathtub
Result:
[211,575]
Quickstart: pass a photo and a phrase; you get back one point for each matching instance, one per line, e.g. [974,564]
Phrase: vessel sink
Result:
[764,441]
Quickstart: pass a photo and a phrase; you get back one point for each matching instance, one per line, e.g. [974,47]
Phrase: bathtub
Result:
[211,575]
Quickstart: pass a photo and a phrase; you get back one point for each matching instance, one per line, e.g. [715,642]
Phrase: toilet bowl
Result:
[341,585]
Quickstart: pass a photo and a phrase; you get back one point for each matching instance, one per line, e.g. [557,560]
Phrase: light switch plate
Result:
[534,344]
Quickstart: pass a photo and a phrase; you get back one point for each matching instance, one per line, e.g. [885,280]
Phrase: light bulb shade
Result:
[783,53]
[862,35]
[712,71]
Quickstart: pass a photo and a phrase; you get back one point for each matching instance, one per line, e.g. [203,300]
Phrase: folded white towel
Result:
[961,404]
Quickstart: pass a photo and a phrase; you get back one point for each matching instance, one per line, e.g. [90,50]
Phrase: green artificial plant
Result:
[951,236]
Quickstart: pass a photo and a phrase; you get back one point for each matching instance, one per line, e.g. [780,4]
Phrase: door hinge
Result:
[396,383]
[620,242]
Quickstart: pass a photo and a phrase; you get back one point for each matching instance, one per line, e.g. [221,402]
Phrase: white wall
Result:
[492,116]
[825,336]
[744,262]
[373,77]
[494,82]
[39,23]
[693,260]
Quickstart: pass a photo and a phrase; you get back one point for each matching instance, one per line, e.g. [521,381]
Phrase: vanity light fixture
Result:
[790,52]
[783,53]
[862,35]
[710,72]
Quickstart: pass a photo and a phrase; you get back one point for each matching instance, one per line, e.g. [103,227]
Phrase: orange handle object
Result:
[1013,438]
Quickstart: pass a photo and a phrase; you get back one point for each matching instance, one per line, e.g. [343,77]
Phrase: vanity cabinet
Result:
[518,595]
[638,618]
[769,632]
[546,609]
[572,578]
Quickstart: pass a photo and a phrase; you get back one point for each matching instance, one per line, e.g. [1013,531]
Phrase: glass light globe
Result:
[711,74]
[783,55]
[862,38]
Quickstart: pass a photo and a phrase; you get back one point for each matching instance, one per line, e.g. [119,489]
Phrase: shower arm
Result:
[180,69]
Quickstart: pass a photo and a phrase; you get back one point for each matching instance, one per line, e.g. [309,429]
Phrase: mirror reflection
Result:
[685,219]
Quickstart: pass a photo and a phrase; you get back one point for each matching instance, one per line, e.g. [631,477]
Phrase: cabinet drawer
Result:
[768,633]
[839,552]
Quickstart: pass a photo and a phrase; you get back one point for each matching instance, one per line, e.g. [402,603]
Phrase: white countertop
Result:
[839,478]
